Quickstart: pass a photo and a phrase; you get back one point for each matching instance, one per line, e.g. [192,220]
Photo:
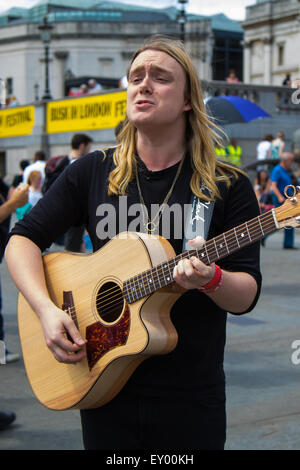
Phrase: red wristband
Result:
[214,283]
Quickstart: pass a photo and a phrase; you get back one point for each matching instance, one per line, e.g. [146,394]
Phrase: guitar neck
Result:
[213,250]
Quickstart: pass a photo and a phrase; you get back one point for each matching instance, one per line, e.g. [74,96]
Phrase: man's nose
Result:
[146,85]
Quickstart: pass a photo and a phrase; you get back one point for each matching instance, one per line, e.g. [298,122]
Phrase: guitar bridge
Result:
[68,306]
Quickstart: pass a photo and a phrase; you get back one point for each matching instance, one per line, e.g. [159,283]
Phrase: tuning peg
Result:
[290,188]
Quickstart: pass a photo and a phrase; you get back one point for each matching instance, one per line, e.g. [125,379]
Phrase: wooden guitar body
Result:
[119,335]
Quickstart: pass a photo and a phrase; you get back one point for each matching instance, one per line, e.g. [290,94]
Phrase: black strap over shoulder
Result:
[198,218]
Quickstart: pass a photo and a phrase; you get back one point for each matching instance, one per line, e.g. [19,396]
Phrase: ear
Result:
[187,106]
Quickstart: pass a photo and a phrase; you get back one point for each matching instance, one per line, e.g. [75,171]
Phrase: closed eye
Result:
[135,79]
[161,79]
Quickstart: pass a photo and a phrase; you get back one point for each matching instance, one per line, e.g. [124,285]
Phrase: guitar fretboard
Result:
[213,250]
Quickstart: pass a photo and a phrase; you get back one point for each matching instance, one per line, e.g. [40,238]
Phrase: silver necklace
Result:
[151,225]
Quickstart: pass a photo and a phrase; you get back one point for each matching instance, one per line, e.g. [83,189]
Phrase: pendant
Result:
[150,227]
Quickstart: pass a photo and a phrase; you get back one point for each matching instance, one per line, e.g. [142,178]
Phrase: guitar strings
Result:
[116,289]
[114,301]
[109,305]
[118,298]
[207,246]
[141,276]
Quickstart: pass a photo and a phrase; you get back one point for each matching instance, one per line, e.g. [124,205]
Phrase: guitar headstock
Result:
[288,214]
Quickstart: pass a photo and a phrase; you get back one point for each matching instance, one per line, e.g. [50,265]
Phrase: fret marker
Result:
[221,246]
[242,235]
[202,255]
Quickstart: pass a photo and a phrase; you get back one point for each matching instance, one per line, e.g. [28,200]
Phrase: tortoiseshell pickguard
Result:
[102,338]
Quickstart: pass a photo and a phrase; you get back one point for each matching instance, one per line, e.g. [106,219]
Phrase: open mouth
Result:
[143,102]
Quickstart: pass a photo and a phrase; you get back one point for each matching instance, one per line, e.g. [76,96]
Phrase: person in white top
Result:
[39,163]
[35,187]
[278,145]
[264,148]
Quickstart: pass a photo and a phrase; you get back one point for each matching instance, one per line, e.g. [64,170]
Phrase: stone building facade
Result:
[97,38]
[271,41]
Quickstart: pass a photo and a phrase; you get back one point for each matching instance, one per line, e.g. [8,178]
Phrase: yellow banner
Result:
[17,121]
[82,114]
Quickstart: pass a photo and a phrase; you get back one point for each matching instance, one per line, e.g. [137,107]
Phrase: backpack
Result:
[54,167]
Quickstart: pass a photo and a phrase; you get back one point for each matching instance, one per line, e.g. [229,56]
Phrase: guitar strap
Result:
[198,218]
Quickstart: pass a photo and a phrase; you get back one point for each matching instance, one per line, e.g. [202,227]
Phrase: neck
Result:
[75,153]
[160,151]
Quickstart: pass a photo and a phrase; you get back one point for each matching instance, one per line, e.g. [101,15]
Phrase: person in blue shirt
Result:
[281,177]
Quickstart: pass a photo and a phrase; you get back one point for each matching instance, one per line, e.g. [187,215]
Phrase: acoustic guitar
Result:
[120,299]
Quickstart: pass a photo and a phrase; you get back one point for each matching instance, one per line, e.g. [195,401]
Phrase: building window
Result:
[9,86]
[280,54]
[227,54]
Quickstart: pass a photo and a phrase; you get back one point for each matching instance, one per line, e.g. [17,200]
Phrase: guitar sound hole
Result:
[109,302]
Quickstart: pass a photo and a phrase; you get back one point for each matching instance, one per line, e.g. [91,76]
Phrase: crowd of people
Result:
[91,88]
[276,171]
[28,186]
[271,180]
[37,177]
[231,153]
[270,147]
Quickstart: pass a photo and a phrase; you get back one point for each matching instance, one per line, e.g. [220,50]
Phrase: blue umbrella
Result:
[231,109]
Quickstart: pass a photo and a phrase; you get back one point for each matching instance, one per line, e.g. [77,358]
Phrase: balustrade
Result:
[273,99]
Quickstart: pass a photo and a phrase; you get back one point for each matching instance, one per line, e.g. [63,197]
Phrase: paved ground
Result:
[263,384]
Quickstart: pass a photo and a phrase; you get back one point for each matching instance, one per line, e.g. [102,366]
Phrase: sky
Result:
[234,9]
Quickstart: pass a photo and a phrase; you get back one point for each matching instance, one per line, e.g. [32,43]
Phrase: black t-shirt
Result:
[195,366]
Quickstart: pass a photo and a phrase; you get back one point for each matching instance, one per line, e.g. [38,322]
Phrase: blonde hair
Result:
[201,132]
[33,174]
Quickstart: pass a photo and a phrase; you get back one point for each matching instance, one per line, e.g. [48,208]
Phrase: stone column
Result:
[247,61]
[267,61]
[59,84]
[209,46]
